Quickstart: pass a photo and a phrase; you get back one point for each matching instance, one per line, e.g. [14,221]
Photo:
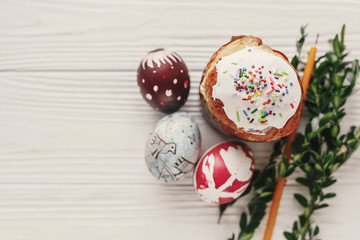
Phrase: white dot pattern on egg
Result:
[164,75]
[173,147]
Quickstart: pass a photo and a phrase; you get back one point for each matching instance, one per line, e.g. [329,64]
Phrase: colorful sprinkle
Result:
[279,74]
[225,71]
[280,114]
[291,83]
[234,63]
[272,80]
[237,115]
[264,121]
[269,91]
[292,105]
[245,113]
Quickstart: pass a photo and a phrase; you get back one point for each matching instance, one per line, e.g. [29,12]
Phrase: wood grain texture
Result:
[73,125]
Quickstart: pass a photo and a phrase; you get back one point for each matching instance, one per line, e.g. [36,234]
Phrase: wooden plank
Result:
[115,35]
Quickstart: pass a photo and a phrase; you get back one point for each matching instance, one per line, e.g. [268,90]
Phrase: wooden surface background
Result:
[73,125]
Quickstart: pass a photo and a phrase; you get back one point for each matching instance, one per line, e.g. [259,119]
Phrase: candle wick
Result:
[316,41]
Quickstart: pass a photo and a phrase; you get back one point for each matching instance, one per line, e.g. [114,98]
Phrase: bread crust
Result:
[213,108]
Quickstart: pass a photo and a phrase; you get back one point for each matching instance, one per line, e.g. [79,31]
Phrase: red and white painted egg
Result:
[224,172]
[164,80]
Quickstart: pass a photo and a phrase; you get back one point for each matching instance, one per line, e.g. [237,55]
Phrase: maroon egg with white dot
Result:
[164,80]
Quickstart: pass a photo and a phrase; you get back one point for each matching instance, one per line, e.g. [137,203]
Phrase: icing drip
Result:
[258,89]
[159,57]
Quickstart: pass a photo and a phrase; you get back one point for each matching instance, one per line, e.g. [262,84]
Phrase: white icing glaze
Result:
[235,105]
[158,57]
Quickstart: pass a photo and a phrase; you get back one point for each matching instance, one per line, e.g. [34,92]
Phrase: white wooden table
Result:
[73,125]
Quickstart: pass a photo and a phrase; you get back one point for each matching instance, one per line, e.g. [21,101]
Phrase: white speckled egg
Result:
[173,147]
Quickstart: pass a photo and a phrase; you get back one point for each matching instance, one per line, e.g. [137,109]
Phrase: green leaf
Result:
[302,220]
[303,181]
[243,221]
[246,236]
[290,170]
[295,226]
[316,231]
[282,169]
[321,206]
[265,194]
[336,46]
[328,159]
[289,236]
[335,167]
[342,38]
[301,199]
[330,195]
[334,131]
[318,167]
[302,29]
[232,238]
[222,208]
[337,81]
[295,62]
[336,100]
[328,183]
[326,118]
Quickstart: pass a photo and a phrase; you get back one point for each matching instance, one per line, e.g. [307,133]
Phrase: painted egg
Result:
[173,147]
[164,80]
[224,172]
